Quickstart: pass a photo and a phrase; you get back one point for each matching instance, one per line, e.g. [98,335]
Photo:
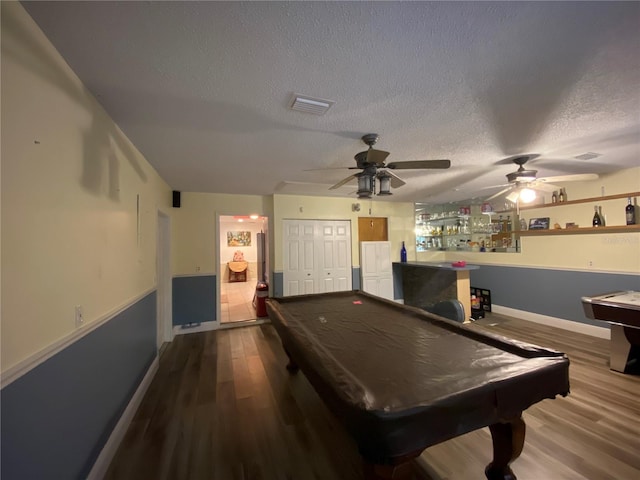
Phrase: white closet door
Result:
[384,259]
[300,264]
[317,256]
[376,268]
[340,255]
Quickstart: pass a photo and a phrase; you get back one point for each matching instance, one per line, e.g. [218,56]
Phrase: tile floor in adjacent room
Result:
[236,301]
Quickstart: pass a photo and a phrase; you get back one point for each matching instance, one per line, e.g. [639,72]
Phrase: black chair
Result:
[451,309]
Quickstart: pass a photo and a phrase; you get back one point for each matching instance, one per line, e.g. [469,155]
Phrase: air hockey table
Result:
[622,311]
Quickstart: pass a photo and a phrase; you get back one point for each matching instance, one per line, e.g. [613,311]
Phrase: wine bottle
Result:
[563,196]
[602,219]
[630,212]
[554,197]
[597,221]
[403,254]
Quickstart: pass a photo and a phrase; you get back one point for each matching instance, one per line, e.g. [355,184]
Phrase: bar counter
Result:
[427,283]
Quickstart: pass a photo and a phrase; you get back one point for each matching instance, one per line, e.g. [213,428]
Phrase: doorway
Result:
[243,262]
[164,331]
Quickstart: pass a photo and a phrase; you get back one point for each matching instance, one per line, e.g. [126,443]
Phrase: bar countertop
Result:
[442,265]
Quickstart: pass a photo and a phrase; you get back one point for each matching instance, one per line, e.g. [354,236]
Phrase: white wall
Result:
[71,181]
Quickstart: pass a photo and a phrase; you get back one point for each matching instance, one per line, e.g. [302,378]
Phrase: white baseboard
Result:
[203,327]
[586,329]
[206,326]
[99,469]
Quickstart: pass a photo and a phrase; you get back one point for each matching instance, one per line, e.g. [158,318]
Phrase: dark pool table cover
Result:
[401,379]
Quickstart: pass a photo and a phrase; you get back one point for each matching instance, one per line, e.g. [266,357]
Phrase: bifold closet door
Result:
[317,256]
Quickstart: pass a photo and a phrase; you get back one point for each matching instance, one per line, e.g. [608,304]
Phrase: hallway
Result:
[236,301]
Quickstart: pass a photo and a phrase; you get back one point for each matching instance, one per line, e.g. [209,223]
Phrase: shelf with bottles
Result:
[453,228]
[577,202]
[595,218]
[581,230]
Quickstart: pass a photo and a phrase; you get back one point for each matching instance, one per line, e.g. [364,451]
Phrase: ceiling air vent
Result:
[316,106]
[588,156]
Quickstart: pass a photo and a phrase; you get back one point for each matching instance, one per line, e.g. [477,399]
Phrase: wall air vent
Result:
[588,156]
[316,106]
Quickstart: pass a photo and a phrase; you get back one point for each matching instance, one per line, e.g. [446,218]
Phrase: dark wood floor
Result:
[222,406]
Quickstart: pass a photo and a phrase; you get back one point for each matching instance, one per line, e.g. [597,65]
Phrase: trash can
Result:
[260,299]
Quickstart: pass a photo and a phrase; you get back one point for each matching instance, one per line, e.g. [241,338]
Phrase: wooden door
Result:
[372,229]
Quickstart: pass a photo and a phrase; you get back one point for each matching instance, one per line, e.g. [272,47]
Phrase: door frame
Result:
[164,292]
[219,275]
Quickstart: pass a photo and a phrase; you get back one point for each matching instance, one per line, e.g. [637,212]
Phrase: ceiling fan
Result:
[372,163]
[523,183]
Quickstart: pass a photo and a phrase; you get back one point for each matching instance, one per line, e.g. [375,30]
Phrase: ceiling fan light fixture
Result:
[527,195]
[385,183]
[366,184]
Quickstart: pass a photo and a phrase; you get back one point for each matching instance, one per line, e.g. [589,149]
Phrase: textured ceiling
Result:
[202,88]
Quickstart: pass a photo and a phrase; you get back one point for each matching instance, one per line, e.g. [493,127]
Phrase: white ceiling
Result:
[203,88]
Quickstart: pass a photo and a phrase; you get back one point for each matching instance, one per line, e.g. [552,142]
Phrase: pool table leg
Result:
[400,468]
[292,366]
[508,440]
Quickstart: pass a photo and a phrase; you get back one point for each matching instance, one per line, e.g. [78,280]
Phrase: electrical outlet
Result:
[197,269]
[79,316]
[591,263]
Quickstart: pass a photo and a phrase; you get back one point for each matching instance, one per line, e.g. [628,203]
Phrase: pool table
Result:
[400,379]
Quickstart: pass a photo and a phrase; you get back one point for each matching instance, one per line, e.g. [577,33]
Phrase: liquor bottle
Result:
[630,212]
[602,219]
[508,223]
[597,221]
[403,254]
[562,197]
[554,197]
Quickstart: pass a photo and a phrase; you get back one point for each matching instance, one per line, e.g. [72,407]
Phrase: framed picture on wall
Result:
[238,239]
[539,223]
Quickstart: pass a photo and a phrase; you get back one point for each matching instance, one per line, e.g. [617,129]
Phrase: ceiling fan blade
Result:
[417,164]
[579,177]
[545,187]
[495,195]
[396,181]
[329,168]
[376,157]
[343,182]
[496,186]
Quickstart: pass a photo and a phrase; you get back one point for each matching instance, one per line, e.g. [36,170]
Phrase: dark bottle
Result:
[554,197]
[630,212]
[403,254]
[597,221]
[562,197]
[602,219]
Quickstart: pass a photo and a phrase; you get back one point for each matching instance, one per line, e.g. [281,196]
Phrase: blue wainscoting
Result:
[57,417]
[277,289]
[555,293]
[355,278]
[194,299]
